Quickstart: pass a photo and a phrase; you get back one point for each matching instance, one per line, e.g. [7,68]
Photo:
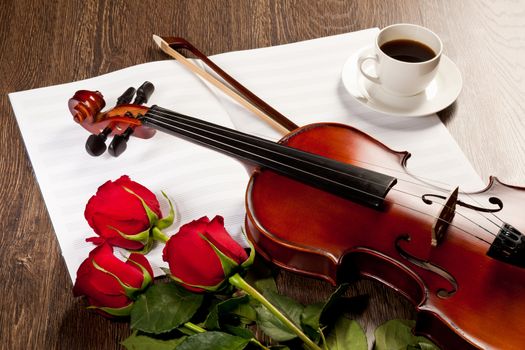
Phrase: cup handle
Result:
[361,60]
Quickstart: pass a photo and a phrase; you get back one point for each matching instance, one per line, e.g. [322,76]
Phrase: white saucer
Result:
[440,93]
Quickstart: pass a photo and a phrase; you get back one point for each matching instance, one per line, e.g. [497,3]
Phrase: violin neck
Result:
[346,180]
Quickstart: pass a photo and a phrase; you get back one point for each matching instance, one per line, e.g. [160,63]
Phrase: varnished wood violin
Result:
[331,202]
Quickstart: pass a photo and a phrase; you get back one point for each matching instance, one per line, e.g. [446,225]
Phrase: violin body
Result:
[464,298]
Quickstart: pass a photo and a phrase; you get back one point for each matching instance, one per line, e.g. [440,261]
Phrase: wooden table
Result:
[51,42]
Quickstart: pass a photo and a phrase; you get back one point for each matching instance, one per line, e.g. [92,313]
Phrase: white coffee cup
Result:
[397,76]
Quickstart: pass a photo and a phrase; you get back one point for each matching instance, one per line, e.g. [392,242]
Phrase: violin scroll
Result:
[121,121]
[85,105]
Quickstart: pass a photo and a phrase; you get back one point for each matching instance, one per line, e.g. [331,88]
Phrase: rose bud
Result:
[202,255]
[110,284]
[126,214]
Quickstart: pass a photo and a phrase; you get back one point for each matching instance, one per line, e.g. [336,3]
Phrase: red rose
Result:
[202,254]
[123,213]
[111,284]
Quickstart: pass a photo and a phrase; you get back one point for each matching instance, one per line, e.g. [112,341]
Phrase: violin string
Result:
[468,195]
[426,183]
[166,117]
[436,186]
[485,216]
[169,118]
[302,160]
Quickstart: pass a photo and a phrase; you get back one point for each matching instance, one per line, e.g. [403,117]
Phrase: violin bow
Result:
[242,95]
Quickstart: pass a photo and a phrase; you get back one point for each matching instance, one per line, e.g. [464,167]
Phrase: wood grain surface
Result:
[51,42]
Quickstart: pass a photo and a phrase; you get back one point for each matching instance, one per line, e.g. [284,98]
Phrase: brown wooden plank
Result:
[50,42]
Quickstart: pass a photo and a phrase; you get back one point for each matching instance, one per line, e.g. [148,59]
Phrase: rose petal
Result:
[221,239]
[142,261]
[114,203]
[191,258]
[128,275]
[117,203]
[103,227]
[100,288]
[143,192]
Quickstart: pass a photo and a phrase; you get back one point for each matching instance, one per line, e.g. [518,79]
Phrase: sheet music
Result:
[199,181]
[301,80]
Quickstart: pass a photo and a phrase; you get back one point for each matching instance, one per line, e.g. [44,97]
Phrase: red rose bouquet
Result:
[205,303]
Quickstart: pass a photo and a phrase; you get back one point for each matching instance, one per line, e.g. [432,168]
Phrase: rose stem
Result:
[256,342]
[197,329]
[323,339]
[159,235]
[240,283]
[194,327]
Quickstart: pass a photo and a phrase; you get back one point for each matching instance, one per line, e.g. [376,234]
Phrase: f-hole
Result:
[442,293]
[492,200]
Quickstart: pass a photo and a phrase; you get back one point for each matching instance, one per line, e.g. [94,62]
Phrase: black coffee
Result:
[408,50]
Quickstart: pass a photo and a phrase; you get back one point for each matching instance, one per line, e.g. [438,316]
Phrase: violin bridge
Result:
[444,218]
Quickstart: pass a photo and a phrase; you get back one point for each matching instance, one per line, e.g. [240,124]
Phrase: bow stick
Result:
[259,108]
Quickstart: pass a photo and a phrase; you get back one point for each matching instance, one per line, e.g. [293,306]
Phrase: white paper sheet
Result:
[301,80]
[199,181]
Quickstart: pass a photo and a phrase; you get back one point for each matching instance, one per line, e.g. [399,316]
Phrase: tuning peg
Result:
[126,97]
[96,144]
[119,143]
[144,93]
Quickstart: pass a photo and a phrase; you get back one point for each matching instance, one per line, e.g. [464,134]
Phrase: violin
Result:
[331,202]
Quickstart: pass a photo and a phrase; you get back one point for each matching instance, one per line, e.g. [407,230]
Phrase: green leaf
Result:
[120,312]
[246,313]
[251,258]
[397,335]
[137,237]
[167,220]
[320,314]
[239,331]
[312,314]
[272,326]
[292,308]
[213,341]
[213,320]
[346,335]
[143,342]
[266,285]
[164,307]
[310,320]
[331,309]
